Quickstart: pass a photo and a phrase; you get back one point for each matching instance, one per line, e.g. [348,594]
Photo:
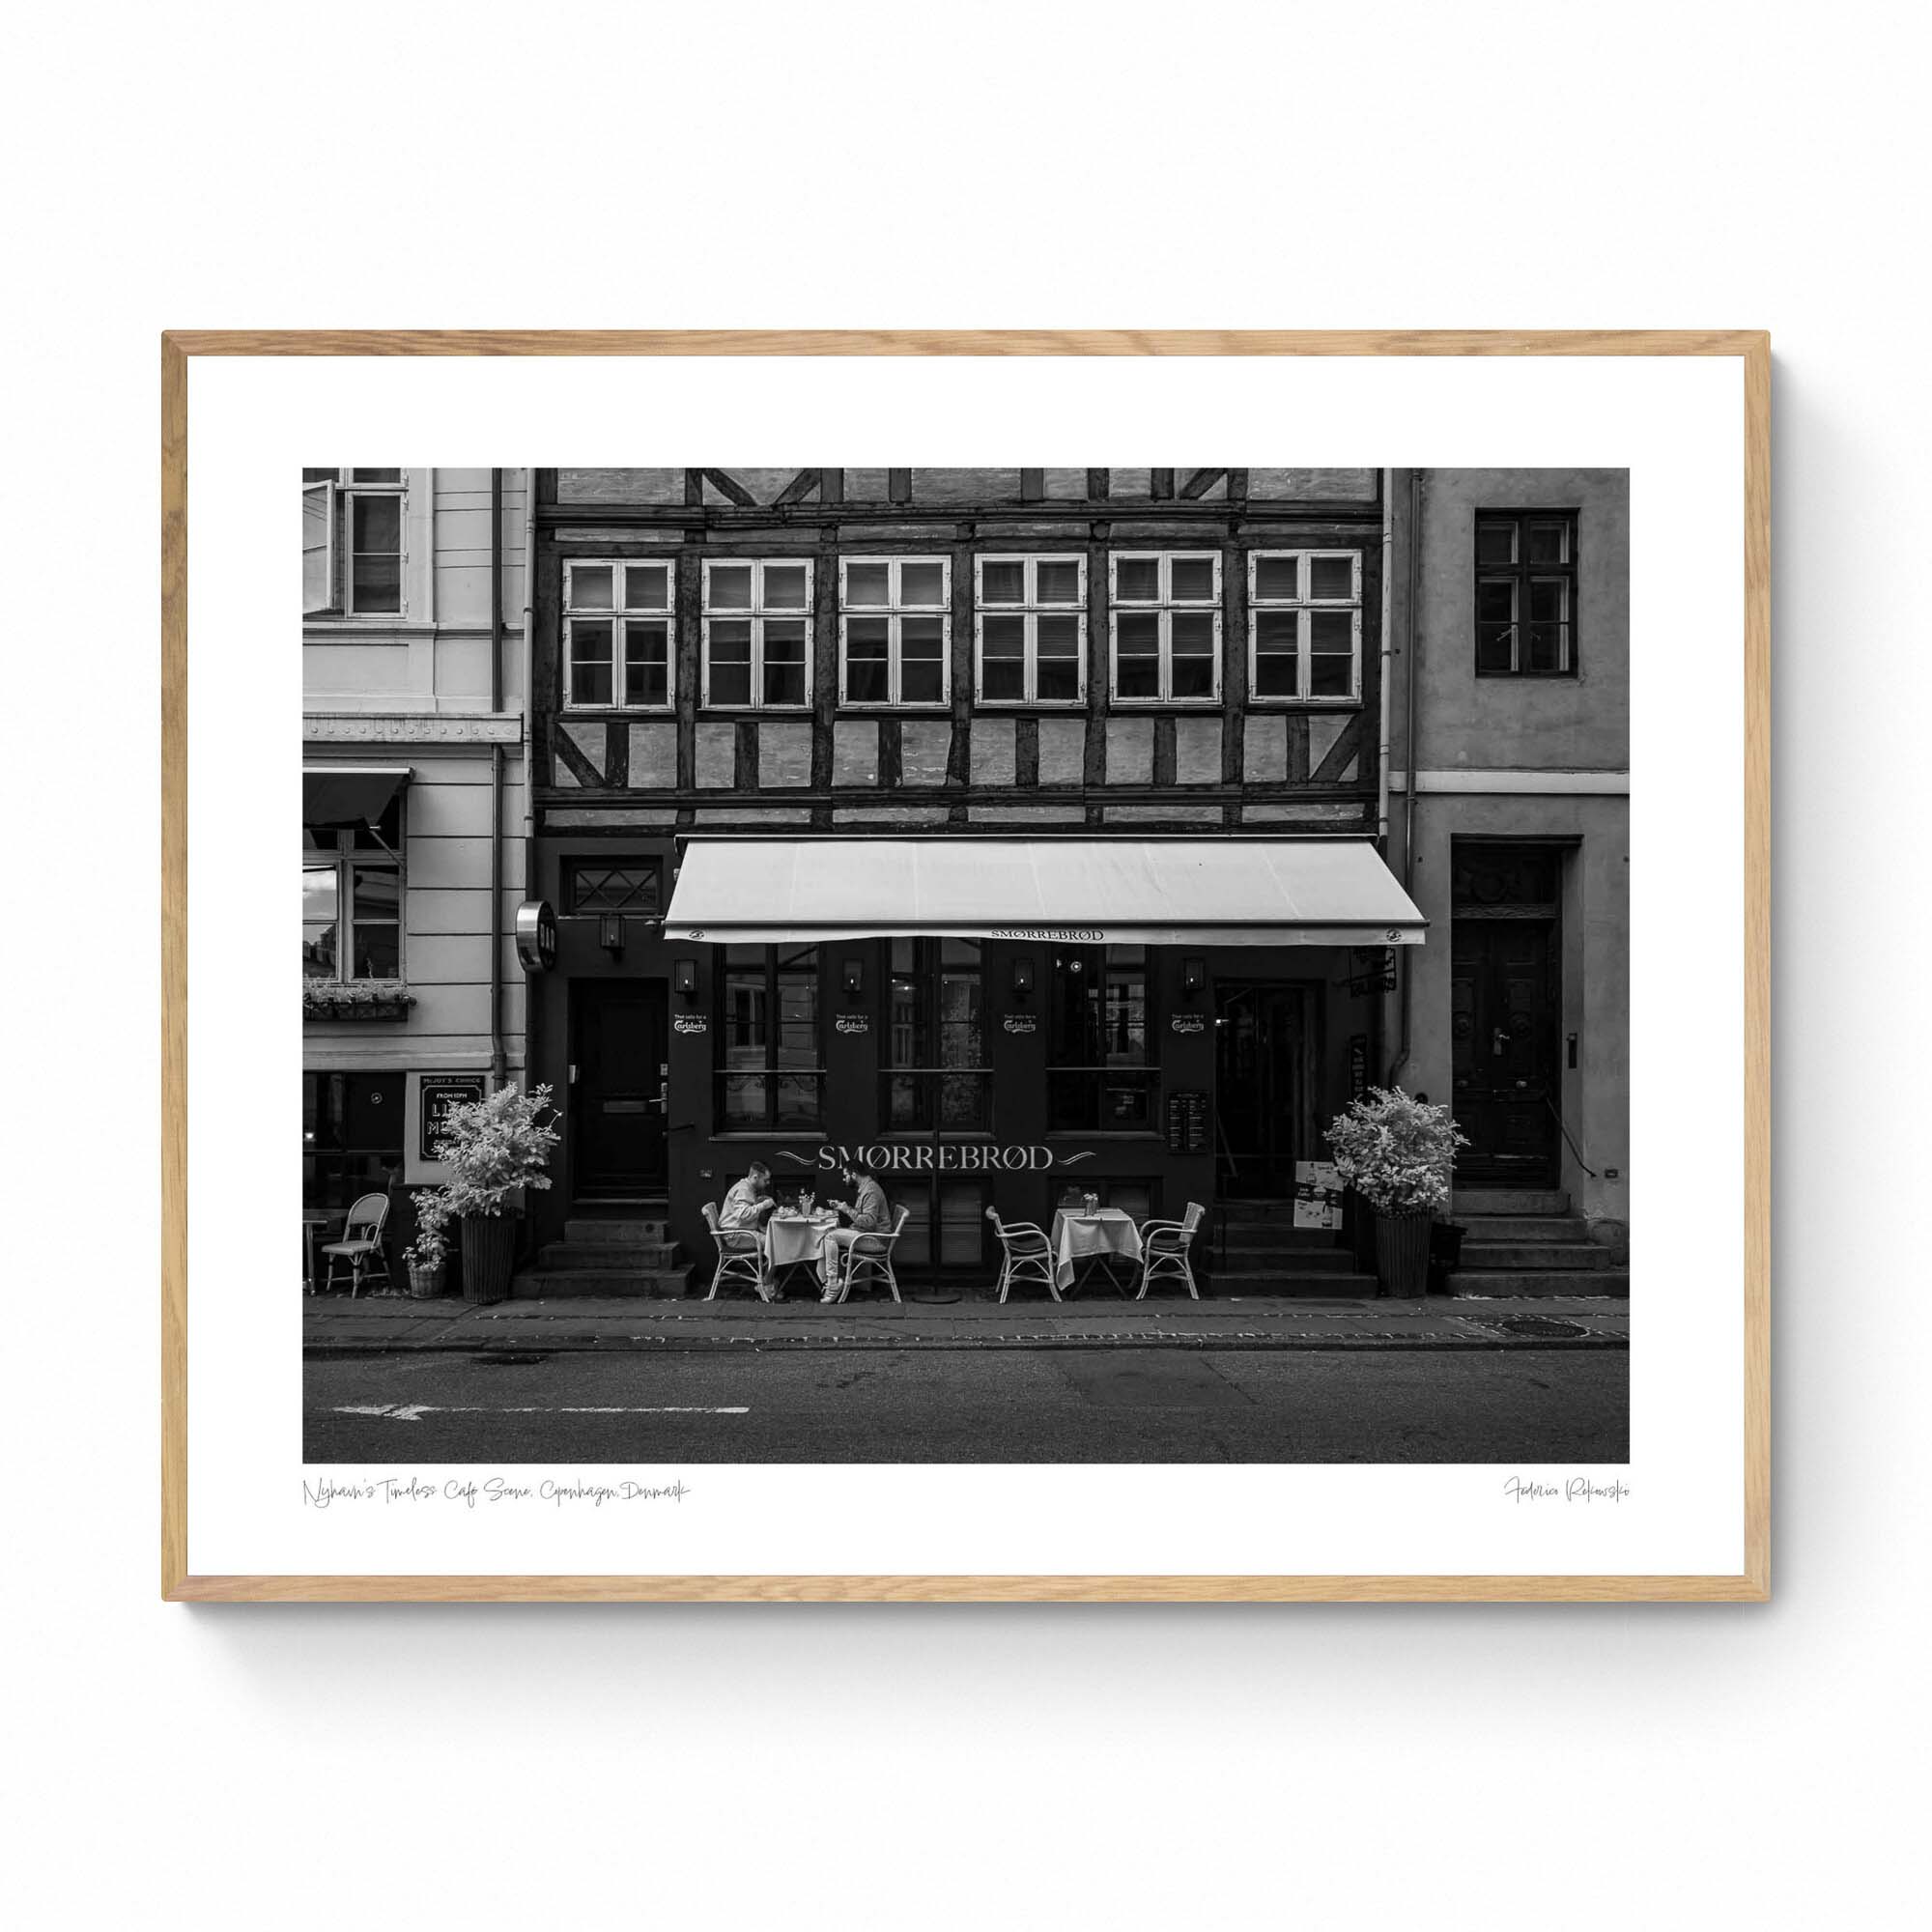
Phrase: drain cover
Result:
[509,1358]
[1539,1324]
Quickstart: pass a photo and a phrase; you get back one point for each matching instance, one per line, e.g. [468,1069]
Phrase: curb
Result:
[1239,1342]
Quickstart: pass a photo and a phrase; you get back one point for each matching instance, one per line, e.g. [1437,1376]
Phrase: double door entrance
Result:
[618,1071]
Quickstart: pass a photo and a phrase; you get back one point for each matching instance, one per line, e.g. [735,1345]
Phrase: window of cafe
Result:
[935,1073]
[353,900]
[771,1075]
[946,1221]
[351,1136]
[1100,1073]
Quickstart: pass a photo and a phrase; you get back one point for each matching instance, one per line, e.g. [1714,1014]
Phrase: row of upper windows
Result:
[1029,634]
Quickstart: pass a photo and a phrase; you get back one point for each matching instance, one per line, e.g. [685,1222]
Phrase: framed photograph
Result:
[922,1028]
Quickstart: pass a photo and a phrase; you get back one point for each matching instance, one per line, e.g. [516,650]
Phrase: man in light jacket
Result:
[868,1213]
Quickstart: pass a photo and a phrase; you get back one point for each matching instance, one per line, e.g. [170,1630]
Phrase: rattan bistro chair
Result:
[1025,1254]
[361,1243]
[875,1252]
[740,1256]
[1164,1246]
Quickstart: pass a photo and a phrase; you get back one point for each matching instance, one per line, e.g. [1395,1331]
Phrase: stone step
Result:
[1583,1256]
[620,1254]
[1507,1201]
[593,1230]
[1607,1282]
[557,1284]
[1523,1227]
[1340,1282]
[1274,1235]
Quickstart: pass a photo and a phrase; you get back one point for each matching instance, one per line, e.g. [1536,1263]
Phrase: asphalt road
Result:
[971,1405]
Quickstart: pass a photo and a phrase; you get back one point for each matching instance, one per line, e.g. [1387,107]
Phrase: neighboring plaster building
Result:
[414,773]
[1510,822]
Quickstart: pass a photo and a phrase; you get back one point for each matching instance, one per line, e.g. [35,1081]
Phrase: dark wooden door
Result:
[1505,1017]
[1260,1087]
[618,1092]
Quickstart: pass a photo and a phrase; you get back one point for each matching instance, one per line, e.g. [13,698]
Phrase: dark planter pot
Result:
[488,1255]
[1401,1252]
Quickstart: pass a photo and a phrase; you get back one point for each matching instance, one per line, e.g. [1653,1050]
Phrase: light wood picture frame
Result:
[1751,353]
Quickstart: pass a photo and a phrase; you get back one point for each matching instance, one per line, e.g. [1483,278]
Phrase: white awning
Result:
[1155,892]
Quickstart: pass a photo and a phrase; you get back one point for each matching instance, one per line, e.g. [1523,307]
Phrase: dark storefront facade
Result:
[1161,689]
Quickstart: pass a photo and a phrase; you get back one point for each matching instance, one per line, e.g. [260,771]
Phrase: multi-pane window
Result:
[757,633]
[593,886]
[617,633]
[1101,1069]
[353,542]
[946,1221]
[1305,626]
[353,900]
[894,630]
[935,1064]
[1167,626]
[1032,630]
[1526,593]
[770,1072]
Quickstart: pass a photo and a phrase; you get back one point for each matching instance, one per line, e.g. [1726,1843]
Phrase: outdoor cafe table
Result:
[791,1243]
[1098,1238]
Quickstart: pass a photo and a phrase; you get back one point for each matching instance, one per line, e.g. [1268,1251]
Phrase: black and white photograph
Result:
[1084,965]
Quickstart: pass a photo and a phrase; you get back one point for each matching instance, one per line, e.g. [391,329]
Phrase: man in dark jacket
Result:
[867,1212]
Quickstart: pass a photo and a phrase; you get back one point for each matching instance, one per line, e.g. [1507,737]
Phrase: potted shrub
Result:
[494,1148]
[1397,1153]
[427,1256]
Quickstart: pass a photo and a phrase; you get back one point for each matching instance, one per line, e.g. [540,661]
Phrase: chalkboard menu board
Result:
[1187,1120]
[441,1092]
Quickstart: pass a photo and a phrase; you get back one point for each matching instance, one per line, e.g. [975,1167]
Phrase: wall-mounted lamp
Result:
[1023,978]
[684,979]
[1193,974]
[610,934]
[853,978]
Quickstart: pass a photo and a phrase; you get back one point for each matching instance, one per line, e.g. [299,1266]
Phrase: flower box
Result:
[355,1000]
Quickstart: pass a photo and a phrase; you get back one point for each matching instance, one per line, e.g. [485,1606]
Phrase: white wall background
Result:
[1115,164]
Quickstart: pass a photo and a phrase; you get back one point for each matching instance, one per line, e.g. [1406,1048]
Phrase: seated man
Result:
[869,1213]
[748,1205]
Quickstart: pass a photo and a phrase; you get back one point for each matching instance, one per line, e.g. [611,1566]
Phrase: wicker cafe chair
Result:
[361,1243]
[740,1256]
[1164,1246]
[875,1252]
[1025,1254]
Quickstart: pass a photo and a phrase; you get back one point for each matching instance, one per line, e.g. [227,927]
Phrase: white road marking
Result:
[414,1411]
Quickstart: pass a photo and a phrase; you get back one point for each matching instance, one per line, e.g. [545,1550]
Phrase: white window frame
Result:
[1029,609]
[342,495]
[1164,606]
[894,611]
[756,615]
[327,485]
[620,616]
[1305,604]
[343,861]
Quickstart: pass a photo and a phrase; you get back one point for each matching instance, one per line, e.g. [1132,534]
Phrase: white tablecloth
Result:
[788,1243]
[1109,1231]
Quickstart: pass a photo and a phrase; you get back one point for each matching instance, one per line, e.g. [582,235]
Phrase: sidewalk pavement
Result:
[381,1323]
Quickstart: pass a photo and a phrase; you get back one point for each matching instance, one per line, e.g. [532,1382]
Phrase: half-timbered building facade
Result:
[1022,827]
